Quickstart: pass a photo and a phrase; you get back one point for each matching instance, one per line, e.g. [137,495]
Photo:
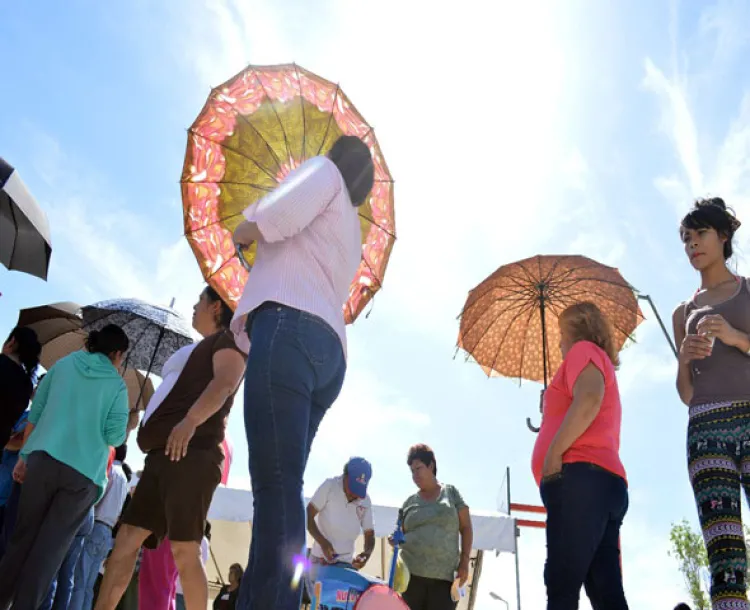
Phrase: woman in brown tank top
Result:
[713,379]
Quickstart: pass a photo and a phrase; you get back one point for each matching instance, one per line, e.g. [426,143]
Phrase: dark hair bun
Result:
[714,201]
[717,203]
[109,340]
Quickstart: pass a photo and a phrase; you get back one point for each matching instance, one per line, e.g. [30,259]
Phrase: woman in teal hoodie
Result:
[80,409]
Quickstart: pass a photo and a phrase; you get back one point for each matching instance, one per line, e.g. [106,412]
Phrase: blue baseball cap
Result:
[359,473]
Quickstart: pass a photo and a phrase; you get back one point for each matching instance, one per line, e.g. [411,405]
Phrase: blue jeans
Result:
[7,464]
[295,371]
[61,589]
[10,512]
[96,547]
[585,509]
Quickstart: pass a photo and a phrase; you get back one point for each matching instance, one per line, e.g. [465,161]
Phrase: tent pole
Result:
[649,300]
[516,533]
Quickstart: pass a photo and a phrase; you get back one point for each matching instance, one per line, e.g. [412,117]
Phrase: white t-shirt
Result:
[339,520]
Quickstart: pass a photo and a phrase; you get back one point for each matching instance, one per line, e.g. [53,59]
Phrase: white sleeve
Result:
[320,497]
[368,522]
[302,196]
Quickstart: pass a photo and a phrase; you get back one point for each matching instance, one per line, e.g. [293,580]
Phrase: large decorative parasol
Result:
[509,322]
[253,130]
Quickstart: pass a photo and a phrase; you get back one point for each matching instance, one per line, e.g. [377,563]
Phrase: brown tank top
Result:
[725,374]
[193,380]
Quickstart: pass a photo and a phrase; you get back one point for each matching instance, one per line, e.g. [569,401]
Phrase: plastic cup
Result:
[457,592]
[713,340]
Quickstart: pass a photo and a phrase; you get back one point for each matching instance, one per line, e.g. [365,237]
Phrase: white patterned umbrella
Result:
[155,332]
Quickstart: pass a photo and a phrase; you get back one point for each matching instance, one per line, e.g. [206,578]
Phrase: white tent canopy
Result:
[492,531]
[231,516]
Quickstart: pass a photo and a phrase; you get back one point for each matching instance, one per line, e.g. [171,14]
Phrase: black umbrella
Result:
[25,243]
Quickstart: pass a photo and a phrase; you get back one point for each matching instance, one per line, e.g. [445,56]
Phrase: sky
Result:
[511,129]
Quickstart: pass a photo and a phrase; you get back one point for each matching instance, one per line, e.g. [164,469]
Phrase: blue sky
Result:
[511,131]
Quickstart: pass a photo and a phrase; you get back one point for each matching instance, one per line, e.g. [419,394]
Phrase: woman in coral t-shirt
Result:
[577,466]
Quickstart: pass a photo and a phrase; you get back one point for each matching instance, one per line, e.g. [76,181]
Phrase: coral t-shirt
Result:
[600,443]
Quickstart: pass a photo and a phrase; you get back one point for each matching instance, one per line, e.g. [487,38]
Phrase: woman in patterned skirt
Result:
[714,381]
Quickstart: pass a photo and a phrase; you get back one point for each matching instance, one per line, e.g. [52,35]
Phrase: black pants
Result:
[55,500]
[585,508]
[428,594]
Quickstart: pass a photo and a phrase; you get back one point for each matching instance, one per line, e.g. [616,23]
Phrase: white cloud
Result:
[721,169]
[100,244]
[677,122]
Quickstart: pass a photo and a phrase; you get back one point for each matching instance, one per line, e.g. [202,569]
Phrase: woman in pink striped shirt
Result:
[309,249]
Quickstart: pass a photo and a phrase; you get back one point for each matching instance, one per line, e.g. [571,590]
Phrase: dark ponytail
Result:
[226,314]
[107,341]
[26,347]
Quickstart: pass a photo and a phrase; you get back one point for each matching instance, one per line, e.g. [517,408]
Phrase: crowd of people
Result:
[287,340]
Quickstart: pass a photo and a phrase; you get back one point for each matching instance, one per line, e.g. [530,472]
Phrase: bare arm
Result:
[369,542]
[328,551]
[467,533]
[588,393]
[228,368]
[684,376]
[467,542]
[312,525]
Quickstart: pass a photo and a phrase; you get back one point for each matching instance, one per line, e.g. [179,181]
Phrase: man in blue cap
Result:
[339,511]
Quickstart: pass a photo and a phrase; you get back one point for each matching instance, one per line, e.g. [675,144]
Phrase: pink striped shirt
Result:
[311,248]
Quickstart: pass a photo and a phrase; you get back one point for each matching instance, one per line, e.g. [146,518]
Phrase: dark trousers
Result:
[428,594]
[585,508]
[61,588]
[55,500]
[295,371]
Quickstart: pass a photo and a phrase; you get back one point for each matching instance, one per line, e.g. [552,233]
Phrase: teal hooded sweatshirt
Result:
[79,411]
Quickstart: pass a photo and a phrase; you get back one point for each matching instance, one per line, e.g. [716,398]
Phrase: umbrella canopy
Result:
[60,330]
[52,321]
[155,332]
[25,243]
[509,322]
[254,130]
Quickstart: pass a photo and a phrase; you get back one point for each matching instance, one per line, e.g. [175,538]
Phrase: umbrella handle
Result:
[238,253]
[531,427]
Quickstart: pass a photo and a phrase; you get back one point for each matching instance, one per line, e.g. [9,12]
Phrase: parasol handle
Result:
[238,253]
[531,426]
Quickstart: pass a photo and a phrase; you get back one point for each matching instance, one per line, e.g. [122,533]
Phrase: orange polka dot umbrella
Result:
[253,130]
[509,322]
